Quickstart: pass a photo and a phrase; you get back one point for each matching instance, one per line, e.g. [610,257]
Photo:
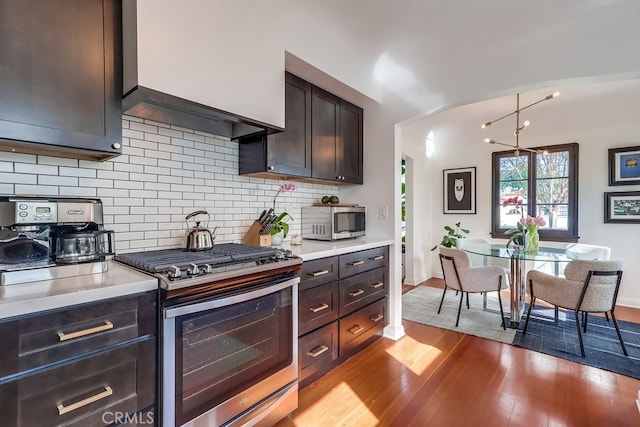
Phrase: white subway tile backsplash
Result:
[58,161]
[143,127]
[18,178]
[18,157]
[139,159]
[115,175]
[58,180]
[78,191]
[170,132]
[131,185]
[36,190]
[111,192]
[165,173]
[33,168]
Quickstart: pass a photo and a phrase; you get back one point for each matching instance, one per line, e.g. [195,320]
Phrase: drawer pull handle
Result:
[356,293]
[378,318]
[356,329]
[354,263]
[376,285]
[377,258]
[319,308]
[77,334]
[319,273]
[318,351]
[84,402]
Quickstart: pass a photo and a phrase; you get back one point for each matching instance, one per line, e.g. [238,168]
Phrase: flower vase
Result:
[532,240]
[277,239]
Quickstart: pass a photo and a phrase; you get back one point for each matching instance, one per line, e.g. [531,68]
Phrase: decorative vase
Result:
[277,239]
[532,240]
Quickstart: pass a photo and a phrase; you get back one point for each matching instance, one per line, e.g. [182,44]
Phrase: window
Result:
[538,185]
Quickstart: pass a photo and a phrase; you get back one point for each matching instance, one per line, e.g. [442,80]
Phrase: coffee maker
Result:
[43,238]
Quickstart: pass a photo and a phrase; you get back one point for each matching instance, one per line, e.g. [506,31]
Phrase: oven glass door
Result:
[228,345]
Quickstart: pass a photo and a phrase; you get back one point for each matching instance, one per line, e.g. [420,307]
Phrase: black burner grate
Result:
[224,253]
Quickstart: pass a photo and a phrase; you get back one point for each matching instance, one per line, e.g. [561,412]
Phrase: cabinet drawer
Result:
[87,392]
[317,306]
[357,325]
[51,337]
[360,261]
[317,350]
[318,272]
[362,289]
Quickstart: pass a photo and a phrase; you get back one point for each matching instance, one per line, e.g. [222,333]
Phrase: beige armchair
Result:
[461,276]
[588,287]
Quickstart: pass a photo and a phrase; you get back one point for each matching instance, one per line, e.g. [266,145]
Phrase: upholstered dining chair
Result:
[581,250]
[461,276]
[588,287]
[480,260]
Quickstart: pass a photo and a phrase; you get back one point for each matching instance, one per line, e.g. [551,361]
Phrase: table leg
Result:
[517,292]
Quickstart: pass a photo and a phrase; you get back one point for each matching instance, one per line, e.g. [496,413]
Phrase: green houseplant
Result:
[280,225]
[450,239]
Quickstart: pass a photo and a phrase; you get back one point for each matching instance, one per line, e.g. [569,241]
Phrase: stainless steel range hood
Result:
[164,108]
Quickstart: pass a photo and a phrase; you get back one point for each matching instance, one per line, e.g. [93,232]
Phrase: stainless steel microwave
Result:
[327,222]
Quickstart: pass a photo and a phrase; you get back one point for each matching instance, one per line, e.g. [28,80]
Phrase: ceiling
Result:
[440,54]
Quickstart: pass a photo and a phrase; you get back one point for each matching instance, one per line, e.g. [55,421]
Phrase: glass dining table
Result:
[517,258]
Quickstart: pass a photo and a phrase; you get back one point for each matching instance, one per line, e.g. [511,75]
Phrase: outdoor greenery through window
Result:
[537,185]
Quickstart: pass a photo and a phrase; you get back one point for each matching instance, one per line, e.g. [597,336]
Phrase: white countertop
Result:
[314,249]
[118,280]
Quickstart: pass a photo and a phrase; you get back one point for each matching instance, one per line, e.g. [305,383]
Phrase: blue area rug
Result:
[602,348]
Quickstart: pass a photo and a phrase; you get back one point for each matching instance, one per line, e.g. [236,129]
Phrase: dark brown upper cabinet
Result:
[322,140]
[61,78]
[336,138]
[286,153]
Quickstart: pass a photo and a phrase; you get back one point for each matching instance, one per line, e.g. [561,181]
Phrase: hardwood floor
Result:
[436,377]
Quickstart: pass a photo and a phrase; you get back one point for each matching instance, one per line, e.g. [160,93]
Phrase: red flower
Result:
[515,200]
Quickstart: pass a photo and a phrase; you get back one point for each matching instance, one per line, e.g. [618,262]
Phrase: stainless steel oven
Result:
[230,354]
[229,327]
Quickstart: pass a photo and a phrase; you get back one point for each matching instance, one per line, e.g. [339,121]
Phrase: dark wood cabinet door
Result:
[61,77]
[87,392]
[325,134]
[349,152]
[289,152]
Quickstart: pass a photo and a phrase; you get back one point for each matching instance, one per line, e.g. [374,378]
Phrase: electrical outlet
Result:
[383,212]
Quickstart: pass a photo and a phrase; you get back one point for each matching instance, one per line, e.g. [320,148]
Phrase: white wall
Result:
[599,118]
[165,173]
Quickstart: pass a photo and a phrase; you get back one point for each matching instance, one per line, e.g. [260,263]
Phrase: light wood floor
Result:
[435,377]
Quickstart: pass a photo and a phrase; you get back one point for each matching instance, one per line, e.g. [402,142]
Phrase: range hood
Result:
[161,107]
[156,103]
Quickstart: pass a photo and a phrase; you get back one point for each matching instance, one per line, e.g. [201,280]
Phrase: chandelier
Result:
[519,126]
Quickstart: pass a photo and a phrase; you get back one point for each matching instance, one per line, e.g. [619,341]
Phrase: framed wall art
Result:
[622,207]
[459,191]
[624,166]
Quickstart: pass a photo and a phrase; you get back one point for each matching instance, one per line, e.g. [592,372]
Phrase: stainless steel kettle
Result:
[199,238]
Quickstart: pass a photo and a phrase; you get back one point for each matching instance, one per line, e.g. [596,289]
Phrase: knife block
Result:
[254,238]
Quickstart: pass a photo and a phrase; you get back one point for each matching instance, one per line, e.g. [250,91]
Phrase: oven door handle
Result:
[172,312]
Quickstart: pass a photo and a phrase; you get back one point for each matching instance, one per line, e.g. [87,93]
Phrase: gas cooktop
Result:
[179,268]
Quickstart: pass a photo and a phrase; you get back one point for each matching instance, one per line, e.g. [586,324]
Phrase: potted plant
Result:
[280,229]
[516,235]
[450,239]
